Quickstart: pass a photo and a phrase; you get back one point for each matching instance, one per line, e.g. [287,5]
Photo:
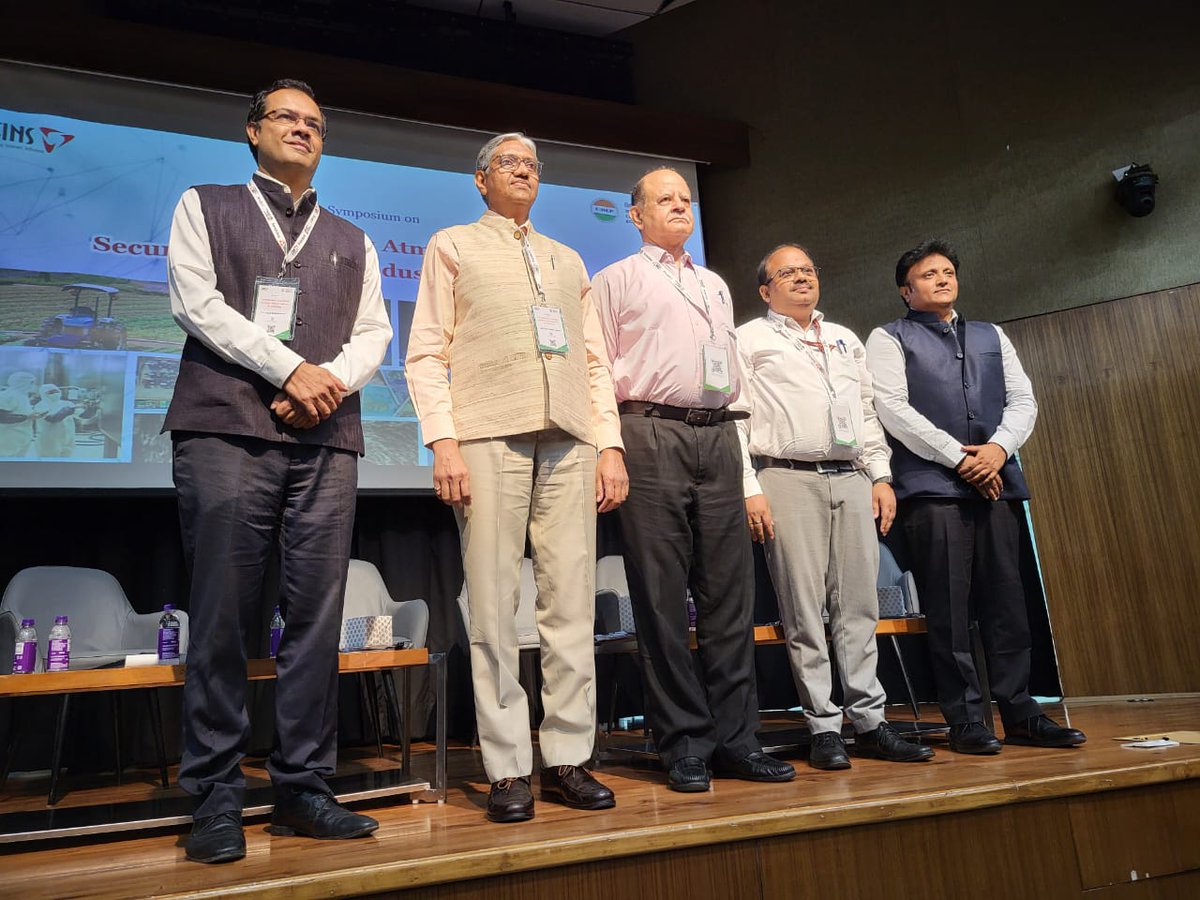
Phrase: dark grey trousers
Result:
[965,559]
[237,496]
[684,525]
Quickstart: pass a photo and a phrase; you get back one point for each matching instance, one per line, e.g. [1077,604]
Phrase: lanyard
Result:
[291,253]
[531,265]
[804,345]
[678,285]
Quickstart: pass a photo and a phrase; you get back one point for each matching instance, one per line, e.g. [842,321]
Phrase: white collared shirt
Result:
[200,309]
[787,385]
[885,357]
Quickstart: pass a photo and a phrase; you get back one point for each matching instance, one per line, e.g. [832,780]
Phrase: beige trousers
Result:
[543,484]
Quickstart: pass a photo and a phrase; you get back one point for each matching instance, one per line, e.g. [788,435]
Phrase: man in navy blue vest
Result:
[956,406]
[285,320]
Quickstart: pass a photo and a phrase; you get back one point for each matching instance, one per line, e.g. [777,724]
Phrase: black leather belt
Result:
[825,466]
[681,413]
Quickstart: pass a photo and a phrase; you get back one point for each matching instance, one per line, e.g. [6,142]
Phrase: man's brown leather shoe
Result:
[510,800]
[574,786]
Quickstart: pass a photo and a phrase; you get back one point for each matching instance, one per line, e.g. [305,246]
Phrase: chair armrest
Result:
[410,620]
[9,626]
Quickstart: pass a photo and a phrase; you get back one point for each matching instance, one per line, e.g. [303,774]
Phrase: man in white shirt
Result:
[285,320]
[816,479]
[956,405]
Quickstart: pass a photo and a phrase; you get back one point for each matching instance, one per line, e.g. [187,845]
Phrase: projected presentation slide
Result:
[88,348]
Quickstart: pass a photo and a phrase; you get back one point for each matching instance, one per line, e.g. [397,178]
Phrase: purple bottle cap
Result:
[167,607]
[27,623]
[60,620]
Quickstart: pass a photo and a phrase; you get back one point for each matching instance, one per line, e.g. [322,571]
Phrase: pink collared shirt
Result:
[656,332]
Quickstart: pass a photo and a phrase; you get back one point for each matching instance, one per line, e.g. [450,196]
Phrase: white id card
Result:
[716,369]
[549,329]
[274,308]
[843,425]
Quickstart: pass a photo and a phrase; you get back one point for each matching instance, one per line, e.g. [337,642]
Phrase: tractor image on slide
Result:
[82,327]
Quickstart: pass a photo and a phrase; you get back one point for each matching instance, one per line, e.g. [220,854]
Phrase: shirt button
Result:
[548,355]
[944,330]
[958,355]
[289,212]
[970,415]
[966,385]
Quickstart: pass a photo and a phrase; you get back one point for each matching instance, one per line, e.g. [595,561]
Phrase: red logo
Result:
[52,138]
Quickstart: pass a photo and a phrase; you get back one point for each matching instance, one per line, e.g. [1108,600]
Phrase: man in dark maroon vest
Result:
[285,319]
[956,405]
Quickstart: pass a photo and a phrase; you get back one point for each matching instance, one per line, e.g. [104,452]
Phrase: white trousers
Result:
[543,484]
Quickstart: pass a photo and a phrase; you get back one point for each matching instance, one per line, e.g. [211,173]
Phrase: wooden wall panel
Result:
[1161,837]
[1112,466]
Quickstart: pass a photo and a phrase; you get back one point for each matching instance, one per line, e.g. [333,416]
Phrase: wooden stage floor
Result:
[1100,820]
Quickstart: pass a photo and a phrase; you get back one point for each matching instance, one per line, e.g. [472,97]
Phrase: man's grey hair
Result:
[488,150]
[638,194]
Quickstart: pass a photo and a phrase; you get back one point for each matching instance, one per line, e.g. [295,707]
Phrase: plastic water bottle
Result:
[25,654]
[168,637]
[59,657]
[276,632]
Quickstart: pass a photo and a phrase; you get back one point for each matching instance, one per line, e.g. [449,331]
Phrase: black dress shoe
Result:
[1042,731]
[318,815]
[217,839]
[973,737]
[688,775]
[574,786]
[510,800]
[827,752]
[886,743]
[757,766]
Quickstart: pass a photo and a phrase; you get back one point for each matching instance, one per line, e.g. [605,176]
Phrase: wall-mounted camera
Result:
[1135,188]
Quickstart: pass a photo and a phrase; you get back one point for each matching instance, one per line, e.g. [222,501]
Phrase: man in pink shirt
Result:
[668,324]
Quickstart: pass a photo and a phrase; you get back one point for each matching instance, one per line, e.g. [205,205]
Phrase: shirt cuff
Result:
[437,427]
[1005,440]
[952,454]
[879,470]
[280,364]
[751,487]
[609,436]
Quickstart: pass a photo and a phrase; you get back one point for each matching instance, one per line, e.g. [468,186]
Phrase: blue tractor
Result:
[82,327]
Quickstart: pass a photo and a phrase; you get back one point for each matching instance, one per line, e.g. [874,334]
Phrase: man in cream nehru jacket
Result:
[515,432]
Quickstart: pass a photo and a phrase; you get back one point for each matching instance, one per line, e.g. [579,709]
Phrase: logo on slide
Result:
[604,210]
[52,138]
[26,137]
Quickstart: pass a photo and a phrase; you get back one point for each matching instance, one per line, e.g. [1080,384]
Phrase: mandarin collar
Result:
[269,185]
[931,318]
[493,219]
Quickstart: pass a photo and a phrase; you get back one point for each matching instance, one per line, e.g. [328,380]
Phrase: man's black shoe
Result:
[217,839]
[886,743]
[1042,731]
[827,752]
[318,815]
[757,766]
[688,775]
[576,787]
[973,737]
[510,800]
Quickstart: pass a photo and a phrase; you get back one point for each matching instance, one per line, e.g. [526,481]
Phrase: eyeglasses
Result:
[290,119]
[507,163]
[791,273]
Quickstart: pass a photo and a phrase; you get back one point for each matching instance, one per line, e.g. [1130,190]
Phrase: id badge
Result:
[274,308]
[549,329]
[843,424]
[716,369]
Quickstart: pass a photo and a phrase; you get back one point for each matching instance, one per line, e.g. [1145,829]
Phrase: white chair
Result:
[528,641]
[367,595]
[104,630]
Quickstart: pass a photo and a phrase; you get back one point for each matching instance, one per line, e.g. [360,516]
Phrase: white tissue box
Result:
[367,633]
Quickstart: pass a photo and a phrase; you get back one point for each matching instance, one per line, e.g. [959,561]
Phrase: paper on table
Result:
[1181,737]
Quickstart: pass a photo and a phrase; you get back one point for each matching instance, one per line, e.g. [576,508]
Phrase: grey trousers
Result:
[543,484]
[236,497]
[825,556]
